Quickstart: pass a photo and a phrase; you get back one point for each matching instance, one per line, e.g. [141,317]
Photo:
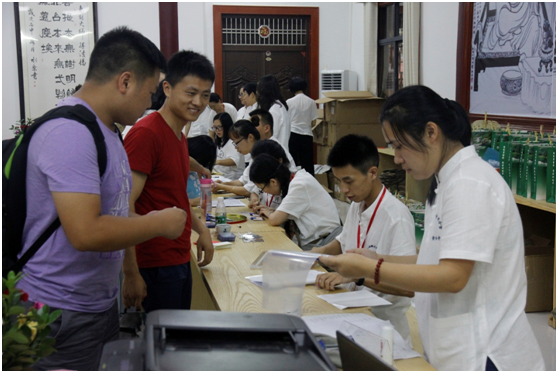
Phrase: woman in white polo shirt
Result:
[229,161]
[270,99]
[469,277]
[305,201]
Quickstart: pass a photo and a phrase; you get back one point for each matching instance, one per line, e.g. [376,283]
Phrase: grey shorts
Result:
[80,337]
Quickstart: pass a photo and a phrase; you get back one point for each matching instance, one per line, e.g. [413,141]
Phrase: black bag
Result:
[14,166]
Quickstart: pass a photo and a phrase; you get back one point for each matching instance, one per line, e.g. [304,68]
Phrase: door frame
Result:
[313,46]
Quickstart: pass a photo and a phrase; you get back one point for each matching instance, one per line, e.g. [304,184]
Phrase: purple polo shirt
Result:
[63,158]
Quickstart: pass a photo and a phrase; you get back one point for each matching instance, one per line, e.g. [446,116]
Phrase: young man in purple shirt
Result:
[77,269]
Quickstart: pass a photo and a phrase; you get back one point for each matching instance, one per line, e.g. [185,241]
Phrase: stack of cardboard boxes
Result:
[346,112]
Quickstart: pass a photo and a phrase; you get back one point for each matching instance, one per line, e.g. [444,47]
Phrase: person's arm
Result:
[275,217]
[449,276]
[205,244]
[232,188]
[196,167]
[403,259]
[254,201]
[134,289]
[332,248]
[88,230]
[225,162]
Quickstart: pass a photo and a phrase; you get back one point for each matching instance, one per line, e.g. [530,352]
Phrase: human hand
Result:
[172,221]
[349,265]
[365,252]
[134,290]
[217,187]
[205,249]
[328,280]
[205,172]
[264,211]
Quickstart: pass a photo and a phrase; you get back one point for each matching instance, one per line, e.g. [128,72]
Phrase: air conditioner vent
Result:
[338,80]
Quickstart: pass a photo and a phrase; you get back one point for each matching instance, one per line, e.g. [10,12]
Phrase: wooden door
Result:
[254,45]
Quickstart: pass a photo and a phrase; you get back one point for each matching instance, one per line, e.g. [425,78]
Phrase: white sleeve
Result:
[297,200]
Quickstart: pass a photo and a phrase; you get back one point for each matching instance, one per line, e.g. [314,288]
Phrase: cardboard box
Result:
[336,131]
[351,107]
[319,132]
[322,179]
[322,152]
[539,266]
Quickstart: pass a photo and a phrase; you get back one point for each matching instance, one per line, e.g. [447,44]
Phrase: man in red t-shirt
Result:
[158,154]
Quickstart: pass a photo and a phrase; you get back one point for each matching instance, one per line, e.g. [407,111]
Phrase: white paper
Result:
[361,298]
[230,202]
[310,279]
[329,324]
[220,178]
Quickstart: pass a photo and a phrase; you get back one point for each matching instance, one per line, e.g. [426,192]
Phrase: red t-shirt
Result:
[154,149]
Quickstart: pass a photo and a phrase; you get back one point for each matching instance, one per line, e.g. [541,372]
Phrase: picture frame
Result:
[470,74]
[54,44]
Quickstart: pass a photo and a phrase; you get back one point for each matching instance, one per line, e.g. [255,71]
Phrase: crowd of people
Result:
[469,278]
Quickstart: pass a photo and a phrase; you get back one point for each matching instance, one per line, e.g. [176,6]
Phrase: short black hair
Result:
[354,150]
[265,167]
[123,49]
[272,148]
[243,128]
[250,87]
[203,150]
[185,63]
[262,116]
[297,84]
[214,97]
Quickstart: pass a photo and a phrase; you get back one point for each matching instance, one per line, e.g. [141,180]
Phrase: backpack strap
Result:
[17,203]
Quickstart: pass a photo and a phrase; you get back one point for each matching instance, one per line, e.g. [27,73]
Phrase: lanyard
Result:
[269,201]
[371,220]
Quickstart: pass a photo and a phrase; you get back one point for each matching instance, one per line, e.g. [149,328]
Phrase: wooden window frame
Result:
[462,90]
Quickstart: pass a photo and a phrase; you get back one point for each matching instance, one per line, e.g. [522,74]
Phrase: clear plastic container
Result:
[220,211]
[205,196]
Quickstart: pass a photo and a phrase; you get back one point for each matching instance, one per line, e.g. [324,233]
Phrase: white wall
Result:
[10,83]
[438,47]
[341,40]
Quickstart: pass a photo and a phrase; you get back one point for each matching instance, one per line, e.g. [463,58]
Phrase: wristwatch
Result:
[360,282]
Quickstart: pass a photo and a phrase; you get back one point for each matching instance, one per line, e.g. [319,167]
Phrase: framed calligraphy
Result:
[54,44]
[506,63]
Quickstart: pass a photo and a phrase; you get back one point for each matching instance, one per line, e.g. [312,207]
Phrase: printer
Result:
[213,340]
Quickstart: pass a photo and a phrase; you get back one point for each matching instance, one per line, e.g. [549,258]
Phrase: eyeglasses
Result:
[217,128]
[238,142]
[262,188]
[241,94]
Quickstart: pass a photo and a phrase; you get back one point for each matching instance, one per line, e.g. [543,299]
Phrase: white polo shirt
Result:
[245,180]
[292,164]
[302,111]
[311,208]
[230,109]
[475,217]
[228,151]
[281,123]
[244,112]
[392,233]
[202,125]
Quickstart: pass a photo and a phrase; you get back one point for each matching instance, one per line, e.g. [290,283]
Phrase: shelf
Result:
[536,204]
[387,151]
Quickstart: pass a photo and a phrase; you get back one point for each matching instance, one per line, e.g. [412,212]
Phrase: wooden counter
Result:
[222,284]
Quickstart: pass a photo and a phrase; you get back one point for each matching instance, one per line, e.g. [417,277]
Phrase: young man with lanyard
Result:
[77,268]
[263,120]
[158,154]
[376,221]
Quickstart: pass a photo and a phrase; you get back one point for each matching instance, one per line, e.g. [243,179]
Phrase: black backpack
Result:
[14,167]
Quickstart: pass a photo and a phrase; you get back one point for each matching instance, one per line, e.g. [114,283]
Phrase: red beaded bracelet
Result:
[377,273]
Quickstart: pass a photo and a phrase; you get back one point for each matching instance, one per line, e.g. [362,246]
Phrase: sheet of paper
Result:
[361,298]
[329,324]
[230,203]
[310,279]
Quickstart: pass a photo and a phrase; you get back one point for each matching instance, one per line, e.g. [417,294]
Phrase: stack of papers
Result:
[361,298]
[310,279]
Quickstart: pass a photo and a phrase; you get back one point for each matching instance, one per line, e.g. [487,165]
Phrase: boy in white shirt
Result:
[218,106]
[248,99]
[376,220]
[302,110]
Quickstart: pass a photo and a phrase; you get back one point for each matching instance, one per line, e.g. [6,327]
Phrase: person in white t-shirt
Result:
[469,276]
[229,161]
[201,125]
[302,111]
[248,99]
[376,221]
[270,99]
[219,106]
[305,201]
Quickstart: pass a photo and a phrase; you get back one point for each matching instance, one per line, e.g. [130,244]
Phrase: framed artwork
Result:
[507,62]
[54,43]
